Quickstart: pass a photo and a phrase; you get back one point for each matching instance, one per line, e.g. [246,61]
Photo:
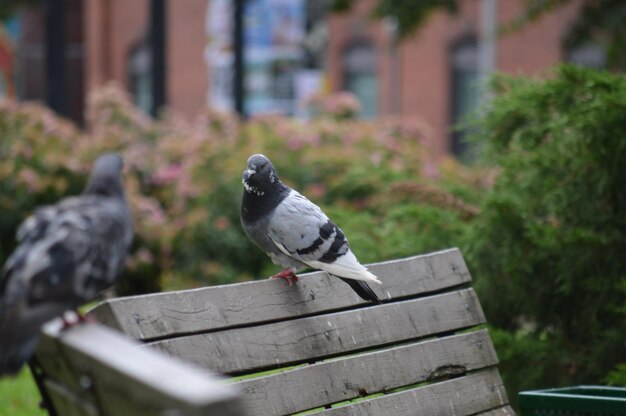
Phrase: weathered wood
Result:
[313,338]
[460,397]
[67,403]
[344,347]
[502,411]
[101,366]
[342,379]
[176,313]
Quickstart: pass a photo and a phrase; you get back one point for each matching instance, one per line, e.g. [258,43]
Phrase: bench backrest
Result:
[91,370]
[318,347]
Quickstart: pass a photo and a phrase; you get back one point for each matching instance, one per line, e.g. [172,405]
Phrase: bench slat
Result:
[333,381]
[502,411]
[460,397]
[118,377]
[163,315]
[304,340]
[67,403]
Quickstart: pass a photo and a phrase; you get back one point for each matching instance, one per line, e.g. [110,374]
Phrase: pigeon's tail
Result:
[346,266]
[15,352]
[362,289]
[17,345]
[19,337]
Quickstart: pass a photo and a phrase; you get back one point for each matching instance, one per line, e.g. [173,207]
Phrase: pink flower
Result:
[376,158]
[340,105]
[222,223]
[30,178]
[430,170]
[314,139]
[316,190]
[144,256]
[167,174]
[27,152]
[294,143]
[150,210]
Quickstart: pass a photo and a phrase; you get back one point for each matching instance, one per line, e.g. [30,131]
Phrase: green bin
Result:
[573,401]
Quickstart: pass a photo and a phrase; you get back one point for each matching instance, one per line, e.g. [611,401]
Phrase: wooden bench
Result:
[91,370]
[318,347]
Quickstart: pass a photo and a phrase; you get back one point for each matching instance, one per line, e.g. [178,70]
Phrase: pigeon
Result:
[67,254]
[294,232]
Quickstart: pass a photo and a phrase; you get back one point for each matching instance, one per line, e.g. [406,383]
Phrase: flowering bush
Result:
[340,105]
[376,180]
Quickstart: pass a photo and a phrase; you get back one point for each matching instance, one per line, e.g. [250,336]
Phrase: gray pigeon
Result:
[67,254]
[294,232]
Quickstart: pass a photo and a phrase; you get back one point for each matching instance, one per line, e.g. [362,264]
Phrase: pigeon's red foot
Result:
[79,319]
[287,274]
[88,319]
[66,324]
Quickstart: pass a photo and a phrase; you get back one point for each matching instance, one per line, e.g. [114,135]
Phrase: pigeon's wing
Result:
[26,301]
[13,284]
[22,306]
[68,253]
[73,249]
[298,228]
[99,234]
[301,230]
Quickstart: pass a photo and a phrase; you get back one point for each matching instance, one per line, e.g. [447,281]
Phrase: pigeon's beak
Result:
[247,174]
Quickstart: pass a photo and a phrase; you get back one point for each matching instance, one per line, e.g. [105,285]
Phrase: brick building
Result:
[434,74]
[116,48]
[430,76]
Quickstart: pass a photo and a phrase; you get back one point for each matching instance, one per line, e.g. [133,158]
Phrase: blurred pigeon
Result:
[294,232]
[67,254]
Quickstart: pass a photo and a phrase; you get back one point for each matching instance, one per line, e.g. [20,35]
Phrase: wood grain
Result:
[313,338]
[502,411]
[67,403]
[333,381]
[169,314]
[103,367]
[460,397]
[346,349]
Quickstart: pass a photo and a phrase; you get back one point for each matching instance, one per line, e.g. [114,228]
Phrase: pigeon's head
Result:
[106,176]
[260,177]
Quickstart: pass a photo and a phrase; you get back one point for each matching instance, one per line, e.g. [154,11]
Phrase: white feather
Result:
[346,266]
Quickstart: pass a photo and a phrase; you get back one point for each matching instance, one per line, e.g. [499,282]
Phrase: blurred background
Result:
[494,126]
[182,54]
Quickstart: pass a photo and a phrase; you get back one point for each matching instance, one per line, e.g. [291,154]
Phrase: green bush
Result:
[548,245]
[618,376]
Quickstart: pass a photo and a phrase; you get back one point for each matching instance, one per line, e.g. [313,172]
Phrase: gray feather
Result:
[257,232]
[297,225]
[68,254]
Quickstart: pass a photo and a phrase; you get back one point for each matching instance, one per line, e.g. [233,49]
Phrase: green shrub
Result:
[548,245]
[617,377]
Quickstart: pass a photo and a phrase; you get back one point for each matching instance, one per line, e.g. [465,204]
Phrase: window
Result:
[360,76]
[140,63]
[589,55]
[465,91]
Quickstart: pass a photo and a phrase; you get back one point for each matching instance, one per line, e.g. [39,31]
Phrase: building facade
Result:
[117,49]
[433,76]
